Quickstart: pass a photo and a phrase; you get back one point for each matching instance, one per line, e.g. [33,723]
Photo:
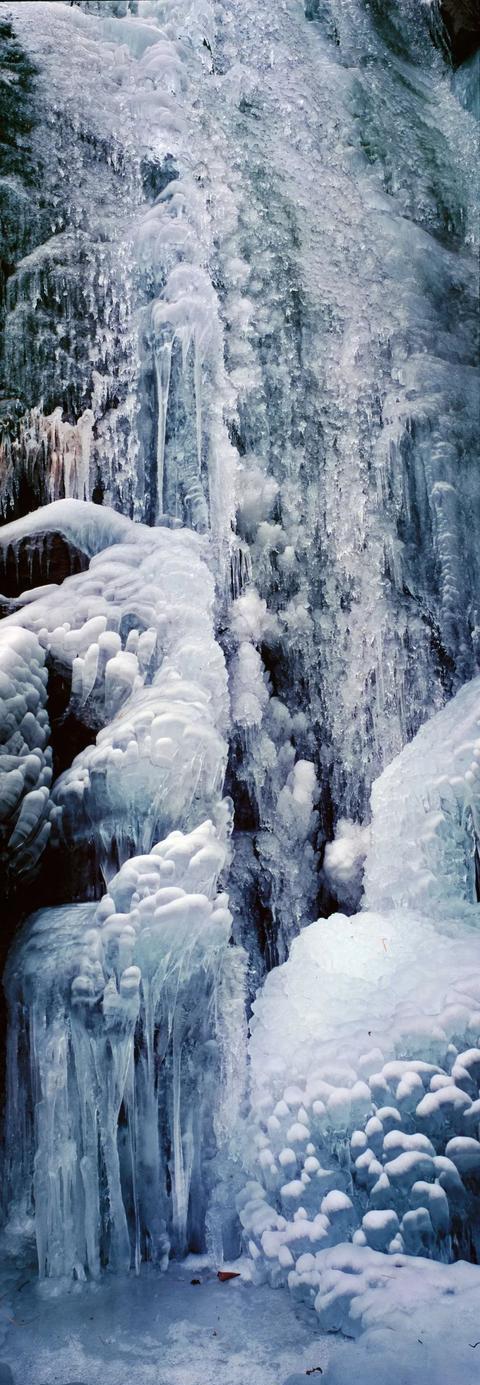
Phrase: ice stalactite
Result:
[54,455]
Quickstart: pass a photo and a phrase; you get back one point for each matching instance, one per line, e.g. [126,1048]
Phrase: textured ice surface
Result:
[157,1330]
[25,756]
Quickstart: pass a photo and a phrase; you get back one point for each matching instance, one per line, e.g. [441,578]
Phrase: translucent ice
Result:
[134,1071]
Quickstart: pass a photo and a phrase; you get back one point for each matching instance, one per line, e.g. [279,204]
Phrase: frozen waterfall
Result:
[239,655]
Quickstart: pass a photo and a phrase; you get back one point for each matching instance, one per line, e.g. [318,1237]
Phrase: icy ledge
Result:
[365,1050]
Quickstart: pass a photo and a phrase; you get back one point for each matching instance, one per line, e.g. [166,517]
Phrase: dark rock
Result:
[462,23]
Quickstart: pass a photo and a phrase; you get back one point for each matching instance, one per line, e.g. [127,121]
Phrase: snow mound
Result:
[365,1044]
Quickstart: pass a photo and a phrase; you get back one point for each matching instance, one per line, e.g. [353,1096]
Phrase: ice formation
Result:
[25,758]
[135,640]
[365,1057]
[132,1014]
[239,644]
[131,1009]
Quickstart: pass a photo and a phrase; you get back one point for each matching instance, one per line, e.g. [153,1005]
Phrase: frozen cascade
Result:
[311,370]
[123,301]
[239,560]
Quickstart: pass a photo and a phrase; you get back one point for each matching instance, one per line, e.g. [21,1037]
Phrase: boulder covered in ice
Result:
[133,637]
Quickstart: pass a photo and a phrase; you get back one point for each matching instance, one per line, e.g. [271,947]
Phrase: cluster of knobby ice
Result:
[25,755]
[365,1047]
[125,1061]
[134,634]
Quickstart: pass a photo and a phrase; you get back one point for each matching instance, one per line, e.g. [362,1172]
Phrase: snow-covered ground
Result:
[160,1330]
[166,1330]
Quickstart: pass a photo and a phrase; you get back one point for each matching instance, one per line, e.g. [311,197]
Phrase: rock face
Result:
[462,22]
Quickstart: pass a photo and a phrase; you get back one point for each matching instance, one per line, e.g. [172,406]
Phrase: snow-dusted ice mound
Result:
[133,634]
[365,1045]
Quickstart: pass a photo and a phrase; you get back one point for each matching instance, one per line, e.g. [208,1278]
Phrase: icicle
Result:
[163,365]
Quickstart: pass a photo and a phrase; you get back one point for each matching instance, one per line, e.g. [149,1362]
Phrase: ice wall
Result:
[349,304]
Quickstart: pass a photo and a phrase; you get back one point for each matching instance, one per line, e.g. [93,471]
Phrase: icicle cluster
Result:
[124,1012]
